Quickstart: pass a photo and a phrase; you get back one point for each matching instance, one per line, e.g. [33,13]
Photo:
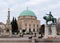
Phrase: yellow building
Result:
[28,20]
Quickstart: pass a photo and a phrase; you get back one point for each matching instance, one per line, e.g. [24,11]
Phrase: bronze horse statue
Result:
[49,18]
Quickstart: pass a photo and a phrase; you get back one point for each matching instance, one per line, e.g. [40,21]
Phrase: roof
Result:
[27,13]
[1,23]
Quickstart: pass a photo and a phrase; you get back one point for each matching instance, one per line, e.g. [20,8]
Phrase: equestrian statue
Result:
[49,17]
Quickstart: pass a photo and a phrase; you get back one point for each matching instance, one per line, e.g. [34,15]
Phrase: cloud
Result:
[54,6]
[35,2]
[40,7]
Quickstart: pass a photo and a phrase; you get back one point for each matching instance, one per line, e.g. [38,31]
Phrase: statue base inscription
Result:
[50,31]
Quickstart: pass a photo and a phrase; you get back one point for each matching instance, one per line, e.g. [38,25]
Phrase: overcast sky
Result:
[39,7]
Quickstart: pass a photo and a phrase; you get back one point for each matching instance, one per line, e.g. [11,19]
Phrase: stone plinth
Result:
[50,31]
[46,31]
[54,31]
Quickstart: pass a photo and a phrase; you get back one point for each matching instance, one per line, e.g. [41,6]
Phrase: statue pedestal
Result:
[54,31]
[46,31]
[50,31]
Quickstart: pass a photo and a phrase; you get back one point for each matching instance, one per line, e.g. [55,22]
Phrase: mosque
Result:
[26,20]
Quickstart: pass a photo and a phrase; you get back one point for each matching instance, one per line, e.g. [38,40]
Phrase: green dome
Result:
[27,13]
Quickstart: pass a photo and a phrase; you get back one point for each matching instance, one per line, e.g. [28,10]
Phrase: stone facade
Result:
[2,28]
[28,22]
[50,31]
[58,26]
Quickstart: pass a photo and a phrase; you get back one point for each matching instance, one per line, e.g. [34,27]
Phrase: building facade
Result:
[2,28]
[58,26]
[28,20]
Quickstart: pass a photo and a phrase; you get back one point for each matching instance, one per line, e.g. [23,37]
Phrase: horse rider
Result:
[50,15]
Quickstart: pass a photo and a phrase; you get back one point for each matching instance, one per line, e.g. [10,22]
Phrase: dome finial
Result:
[27,8]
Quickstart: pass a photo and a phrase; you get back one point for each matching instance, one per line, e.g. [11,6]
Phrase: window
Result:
[25,24]
[29,24]
[32,21]
[29,29]
[37,25]
[34,25]
[7,30]
[34,30]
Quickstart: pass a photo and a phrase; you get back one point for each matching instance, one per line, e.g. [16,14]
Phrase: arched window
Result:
[37,25]
[29,24]
[25,24]
[29,29]
[34,30]
[7,30]
[34,25]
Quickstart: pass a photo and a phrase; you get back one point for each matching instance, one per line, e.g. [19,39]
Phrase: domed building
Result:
[28,20]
